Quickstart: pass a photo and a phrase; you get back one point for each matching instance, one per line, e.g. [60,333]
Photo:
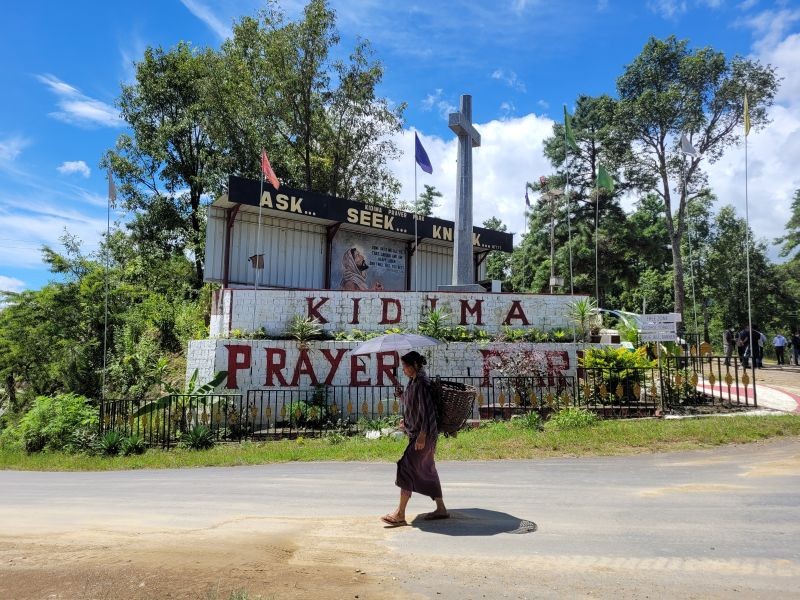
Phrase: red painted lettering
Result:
[304,367]
[387,369]
[356,367]
[274,367]
[432,303]
[476,310]
[234,364]
[386,302]
[355,311]
[516,312]
[334,361]
[313,309]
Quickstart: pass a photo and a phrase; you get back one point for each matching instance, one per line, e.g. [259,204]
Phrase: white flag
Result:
[686,146]
[112,189]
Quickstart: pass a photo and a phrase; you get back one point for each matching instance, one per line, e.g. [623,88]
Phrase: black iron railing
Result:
[273,413]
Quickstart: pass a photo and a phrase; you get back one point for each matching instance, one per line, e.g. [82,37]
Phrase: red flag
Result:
[266,169]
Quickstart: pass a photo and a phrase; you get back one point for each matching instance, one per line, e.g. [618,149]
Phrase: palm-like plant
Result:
[584,314]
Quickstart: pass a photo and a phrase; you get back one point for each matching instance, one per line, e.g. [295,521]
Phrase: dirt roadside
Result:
[263,558]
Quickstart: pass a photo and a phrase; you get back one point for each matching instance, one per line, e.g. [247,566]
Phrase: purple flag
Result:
[421,156]
[527,200]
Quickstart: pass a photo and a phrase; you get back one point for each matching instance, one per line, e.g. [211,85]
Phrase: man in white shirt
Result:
[780,345]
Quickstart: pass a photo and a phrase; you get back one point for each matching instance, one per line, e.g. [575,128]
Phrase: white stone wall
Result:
[246,310]
[281,364]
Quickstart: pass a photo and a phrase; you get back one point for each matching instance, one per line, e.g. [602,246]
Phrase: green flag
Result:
[570,137]
[604,179]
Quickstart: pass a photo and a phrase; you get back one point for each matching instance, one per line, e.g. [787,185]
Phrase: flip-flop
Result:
[392,522]
[432,516]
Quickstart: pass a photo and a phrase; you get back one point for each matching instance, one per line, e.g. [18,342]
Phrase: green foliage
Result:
[427,201]
[573,418]
[435,323]
[198,437]
[530,420]
[133,444]
[61,422]
[618,360]
[386,422]
[304,329]
[110,444]
[583,313]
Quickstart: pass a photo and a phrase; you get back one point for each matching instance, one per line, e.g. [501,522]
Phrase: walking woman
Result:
[416,470]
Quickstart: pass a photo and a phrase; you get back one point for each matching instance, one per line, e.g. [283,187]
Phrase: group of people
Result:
[740,341]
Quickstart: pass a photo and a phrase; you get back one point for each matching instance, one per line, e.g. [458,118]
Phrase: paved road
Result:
[709,524]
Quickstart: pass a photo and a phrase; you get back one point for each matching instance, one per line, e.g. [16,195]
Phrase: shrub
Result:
[573,418]
[56,423]
[530,420]
[304,329]
[133,444]
[110,443]
[198,437]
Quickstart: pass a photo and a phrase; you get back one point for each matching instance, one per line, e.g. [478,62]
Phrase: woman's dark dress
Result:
[416,470]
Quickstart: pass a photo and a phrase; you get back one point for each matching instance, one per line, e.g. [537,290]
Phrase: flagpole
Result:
[416,238]
[747,262]
[258,244]
[691,261]
[596,245]
[105,300]
[569,208]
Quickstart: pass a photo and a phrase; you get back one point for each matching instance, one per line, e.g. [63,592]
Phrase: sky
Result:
[521,60]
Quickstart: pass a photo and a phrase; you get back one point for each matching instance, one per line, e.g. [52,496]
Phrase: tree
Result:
[169,161]
[792,238]
[321,120]
[497,263]
[668,90]
[427,202]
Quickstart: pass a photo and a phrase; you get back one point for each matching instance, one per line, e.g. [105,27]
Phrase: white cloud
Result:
[74,166]
[77,108]
[774,152]
[510,155]
[205,14]
[667,9]
[11,147]
[11,284]
[437,100]
[510,79]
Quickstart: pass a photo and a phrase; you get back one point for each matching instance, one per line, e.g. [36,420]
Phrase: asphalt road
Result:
[716,523]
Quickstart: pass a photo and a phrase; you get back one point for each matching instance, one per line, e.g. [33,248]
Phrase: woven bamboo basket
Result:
[454,405]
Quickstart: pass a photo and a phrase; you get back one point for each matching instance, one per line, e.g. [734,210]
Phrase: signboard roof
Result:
[312,206]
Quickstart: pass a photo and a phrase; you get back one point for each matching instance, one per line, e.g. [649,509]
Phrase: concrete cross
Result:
[468,138]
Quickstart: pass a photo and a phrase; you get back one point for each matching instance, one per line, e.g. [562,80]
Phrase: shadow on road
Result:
[475,522]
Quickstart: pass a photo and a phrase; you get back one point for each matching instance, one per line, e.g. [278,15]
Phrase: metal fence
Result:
[275,413]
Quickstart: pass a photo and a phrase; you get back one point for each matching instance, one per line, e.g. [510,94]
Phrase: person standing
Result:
[779,342]
[416,470]
[760,340]
[729,343]
[743,346]
[795,341]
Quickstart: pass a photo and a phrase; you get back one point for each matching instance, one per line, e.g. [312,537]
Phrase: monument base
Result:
[466,287]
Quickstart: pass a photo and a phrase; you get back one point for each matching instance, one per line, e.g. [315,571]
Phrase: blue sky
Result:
[520,59]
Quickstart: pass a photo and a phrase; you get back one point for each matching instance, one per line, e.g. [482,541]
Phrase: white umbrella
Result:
[395,342]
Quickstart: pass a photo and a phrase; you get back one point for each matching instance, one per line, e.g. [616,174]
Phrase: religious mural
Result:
[360,262]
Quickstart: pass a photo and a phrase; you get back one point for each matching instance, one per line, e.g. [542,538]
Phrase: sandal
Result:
[392,522]
[434,516]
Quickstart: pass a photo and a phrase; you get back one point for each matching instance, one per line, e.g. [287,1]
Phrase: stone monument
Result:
[468,138]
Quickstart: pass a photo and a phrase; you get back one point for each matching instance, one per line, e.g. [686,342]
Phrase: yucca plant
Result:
[198,437]
[304,329]
[110,444]
[435,324]
[133,444]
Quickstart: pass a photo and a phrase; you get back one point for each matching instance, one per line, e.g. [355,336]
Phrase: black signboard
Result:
[300,203]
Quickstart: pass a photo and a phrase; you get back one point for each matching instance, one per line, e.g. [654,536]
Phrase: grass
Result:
[490,442]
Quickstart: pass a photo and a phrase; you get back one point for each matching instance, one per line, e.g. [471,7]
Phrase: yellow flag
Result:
[746,117]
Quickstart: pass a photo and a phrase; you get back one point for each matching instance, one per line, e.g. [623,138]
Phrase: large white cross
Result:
[468,138]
